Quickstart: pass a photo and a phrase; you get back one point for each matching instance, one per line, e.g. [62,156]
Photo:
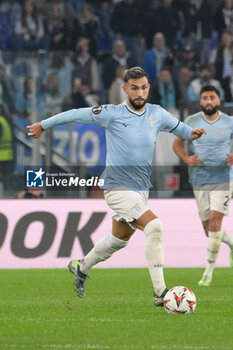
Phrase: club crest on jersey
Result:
[151,121]
[97,109]
[222,129]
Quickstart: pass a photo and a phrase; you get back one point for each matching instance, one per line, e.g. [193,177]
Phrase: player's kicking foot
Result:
[205,281]
[158,300]
[79,283]
[231,258]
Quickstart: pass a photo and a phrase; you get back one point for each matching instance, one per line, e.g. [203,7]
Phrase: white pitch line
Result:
[107,320]
[108,347]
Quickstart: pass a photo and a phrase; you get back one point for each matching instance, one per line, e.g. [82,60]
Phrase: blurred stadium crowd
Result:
[81,48]
[182,44]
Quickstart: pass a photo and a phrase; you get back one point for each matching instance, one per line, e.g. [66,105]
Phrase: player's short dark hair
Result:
[207,88]
[134,73]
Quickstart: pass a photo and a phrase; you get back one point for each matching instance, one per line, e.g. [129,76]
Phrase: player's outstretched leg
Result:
[214,243]
[155,259]
[159,300]
[80,278]
[229,241]
[103,249]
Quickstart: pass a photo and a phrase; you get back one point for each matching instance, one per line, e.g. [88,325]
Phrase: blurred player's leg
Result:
[214,244]
[213,205]
[228,239]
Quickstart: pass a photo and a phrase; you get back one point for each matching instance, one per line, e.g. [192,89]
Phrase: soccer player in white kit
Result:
[211,173]
[131,131]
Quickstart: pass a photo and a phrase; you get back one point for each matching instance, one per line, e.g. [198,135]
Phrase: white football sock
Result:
[214,244]
[227,239]
[154,254]
[103,249]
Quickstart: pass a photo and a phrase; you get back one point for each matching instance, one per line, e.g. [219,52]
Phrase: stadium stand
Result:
[61,54]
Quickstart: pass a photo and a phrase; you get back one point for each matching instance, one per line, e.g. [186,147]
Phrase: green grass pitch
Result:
[40,310]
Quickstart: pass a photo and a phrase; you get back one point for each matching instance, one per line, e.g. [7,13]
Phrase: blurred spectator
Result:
[77,5]
[116,93]
[188,58]
[198,20]
[5,96]
[119,57]
[89,27]
[52,99]
[29,29]
[90,99]
[167,21]
[205,78]
[57,29]
[66,9]
[61,62]
[9,10]
[184,78]
[68,16]
[76,33]
[222,56]
[74,99]
[85,65]
[154,3]
[97,3]
[214,4]
[155,58]
[31,193]
[198,25]
[227,84]
[148,21]
[105,34]
[9,6]
[223,18]
[126,23]
[80,96]
[6,148]
[164,91]
[23,100]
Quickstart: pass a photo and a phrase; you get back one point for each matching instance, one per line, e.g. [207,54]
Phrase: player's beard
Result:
[137,106]
[210,112]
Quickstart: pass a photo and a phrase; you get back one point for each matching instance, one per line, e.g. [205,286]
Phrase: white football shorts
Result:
[127,205]
[213,197]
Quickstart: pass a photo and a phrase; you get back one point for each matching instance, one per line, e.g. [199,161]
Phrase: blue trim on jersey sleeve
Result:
[183,131]
[175,126]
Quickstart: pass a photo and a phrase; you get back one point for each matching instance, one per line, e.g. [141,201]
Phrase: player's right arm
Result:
[82,115]
[178,147]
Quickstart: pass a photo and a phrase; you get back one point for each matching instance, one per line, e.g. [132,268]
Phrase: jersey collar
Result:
[214,121]
[133,110]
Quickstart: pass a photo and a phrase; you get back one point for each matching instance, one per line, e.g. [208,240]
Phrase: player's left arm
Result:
[185,132]
[180,129]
